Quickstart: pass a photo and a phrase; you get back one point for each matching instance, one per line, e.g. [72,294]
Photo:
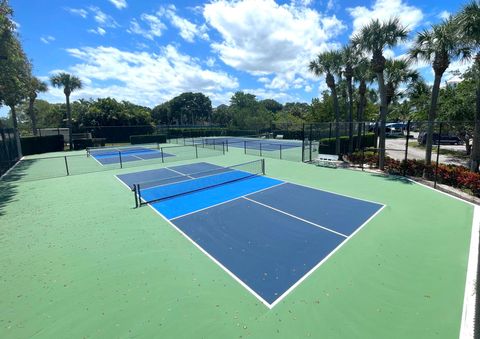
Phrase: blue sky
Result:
[150,51]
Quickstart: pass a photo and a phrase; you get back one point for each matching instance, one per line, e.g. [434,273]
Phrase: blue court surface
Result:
[108,156]
[266,233]
[249,143]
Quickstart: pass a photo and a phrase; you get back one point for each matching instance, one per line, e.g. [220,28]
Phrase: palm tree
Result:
[468,21]
[350,57]
[362,74]
[374,38]
[34,87]
[398,72]
[69,83]
[329,63]
[438,46]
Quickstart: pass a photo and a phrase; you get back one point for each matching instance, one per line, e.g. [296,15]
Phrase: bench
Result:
[327,160]
[279,136]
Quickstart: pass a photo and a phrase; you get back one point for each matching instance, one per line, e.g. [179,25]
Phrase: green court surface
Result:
[78,261]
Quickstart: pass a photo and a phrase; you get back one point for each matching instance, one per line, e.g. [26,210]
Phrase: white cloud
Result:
[145,78]
[409,16]
[98,31]
[444,15]
[262,38]
[188,30]
[77,11]
[155,27]
[102,19]
[210,62]
[47,39]
[120,4]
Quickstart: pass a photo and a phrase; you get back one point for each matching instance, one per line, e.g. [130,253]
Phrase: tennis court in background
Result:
[114,155]
[247,143]
[249,224]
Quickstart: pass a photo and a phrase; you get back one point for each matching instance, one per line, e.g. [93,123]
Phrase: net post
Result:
[88,151]
[223,148]
[260,149]
[134,189]
[245,146]
[227,144]
[66,166]
[139,195]
[120,158]
[214,145]
[161,152]
[280,151]
[196,152]
[263,166]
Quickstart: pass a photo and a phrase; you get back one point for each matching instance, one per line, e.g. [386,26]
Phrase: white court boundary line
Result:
[470,296]
[182,174]
[11,168]
[295,217]
[305,276]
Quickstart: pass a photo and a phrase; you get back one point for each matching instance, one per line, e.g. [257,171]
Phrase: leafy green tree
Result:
[375,38]
[329,63]
[222,116]
[272,105]
[15,69]
[161,114]
[69,83]
[468,21]
[191,108]
[438,46]
[248,113]
[35,86]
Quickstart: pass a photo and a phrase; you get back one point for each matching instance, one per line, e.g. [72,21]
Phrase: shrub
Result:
[327,145]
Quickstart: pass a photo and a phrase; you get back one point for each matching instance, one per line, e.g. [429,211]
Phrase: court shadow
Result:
[395,178]
[7,195]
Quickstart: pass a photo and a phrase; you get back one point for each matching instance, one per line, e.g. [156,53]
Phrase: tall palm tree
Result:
[35,86]
[438,46]
[374,38]
[398,72]
[329,63]
[468,21]
[350,57]
[363,75]
[69,83]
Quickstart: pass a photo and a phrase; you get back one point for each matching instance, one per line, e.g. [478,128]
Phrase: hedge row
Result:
[148,138]
[38,145]
[327,145]
[451,175]
[116,134]
[173,133]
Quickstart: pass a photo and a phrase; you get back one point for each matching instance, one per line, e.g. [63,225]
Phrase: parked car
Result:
[447,139]
[395,129]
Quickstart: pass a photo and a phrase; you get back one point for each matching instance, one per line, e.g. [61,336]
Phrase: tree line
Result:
[399,92]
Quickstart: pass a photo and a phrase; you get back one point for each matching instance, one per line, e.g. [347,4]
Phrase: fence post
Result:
[260,149]
[161,152]
[196,152]
[406,149]
[438,155]
[120,157]
[310,137]
[303,142]
[66,166]
[280,151]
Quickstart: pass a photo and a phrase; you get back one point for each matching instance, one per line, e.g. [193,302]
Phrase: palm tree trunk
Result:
[336,108]
[69,122]
[432,113]
[15,130]
[350,115]
[475,156]
[383,119]
[361,109]
[31,113]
